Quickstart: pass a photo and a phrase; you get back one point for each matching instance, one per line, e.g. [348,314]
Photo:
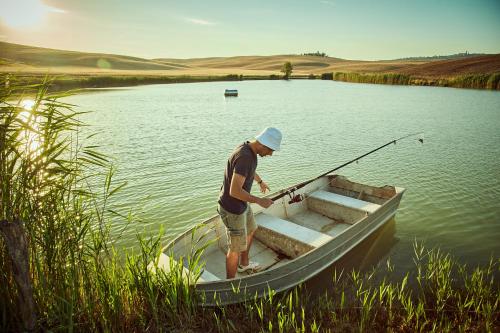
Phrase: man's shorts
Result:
[238,227]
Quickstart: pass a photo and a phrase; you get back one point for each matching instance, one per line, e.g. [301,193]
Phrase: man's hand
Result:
[264,187]
[265,202]
[237,191]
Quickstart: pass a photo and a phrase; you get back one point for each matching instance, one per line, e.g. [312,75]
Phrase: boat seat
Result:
[292,230]
[345,201]
[164,264]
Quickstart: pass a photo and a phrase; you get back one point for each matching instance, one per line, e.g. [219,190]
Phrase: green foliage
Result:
[475,81]
[478,81]
[327,76]
[79,280]
[316,54]
[442,296]
[287,69]
[233,77]
[388,78]
[462,55]
[61,83]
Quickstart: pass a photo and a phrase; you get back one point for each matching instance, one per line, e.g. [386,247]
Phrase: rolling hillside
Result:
[29,59]
[80,69]
[29,56]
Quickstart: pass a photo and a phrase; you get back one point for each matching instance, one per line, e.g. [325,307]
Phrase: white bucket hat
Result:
[270,137]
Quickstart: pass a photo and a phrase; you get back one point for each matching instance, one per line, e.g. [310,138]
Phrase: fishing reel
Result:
[294,198]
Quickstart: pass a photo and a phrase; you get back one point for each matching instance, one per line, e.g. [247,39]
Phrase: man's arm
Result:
[263,186]
[257,178]
[236,191]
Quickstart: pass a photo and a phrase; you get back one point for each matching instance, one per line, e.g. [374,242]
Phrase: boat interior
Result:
[330,205]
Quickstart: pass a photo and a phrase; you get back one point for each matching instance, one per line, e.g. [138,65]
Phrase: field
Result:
[481,71]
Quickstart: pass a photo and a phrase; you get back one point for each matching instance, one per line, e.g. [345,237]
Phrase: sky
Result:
[358,30]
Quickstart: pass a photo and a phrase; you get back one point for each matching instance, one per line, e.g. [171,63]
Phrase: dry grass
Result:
[33,60]
[487,64]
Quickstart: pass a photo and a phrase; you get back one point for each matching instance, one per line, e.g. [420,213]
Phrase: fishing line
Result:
[298,198]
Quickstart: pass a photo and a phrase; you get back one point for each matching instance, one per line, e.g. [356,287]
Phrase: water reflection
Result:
[363,257]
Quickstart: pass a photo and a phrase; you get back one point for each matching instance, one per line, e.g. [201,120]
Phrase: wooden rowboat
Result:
[294,240]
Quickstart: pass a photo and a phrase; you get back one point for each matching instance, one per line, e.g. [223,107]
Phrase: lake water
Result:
[171,143]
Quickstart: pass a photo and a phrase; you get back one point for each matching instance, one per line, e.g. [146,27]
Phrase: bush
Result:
[327,76]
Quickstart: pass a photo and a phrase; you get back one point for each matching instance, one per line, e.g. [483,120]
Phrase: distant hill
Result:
[43,57]
[36,60]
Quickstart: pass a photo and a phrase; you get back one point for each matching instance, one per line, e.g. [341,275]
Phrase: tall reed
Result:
[383,78]
[79,280]
[489,81]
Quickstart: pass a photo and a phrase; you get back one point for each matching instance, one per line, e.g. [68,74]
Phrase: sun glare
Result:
[32,139]
[25,13]
[28,104]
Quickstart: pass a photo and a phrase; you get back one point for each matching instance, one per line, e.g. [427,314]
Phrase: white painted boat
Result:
[294,241]
[231,92]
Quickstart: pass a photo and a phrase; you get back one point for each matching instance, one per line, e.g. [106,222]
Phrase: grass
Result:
[474,81]
[372,78]
[68,82]
[478,81]
[81,283]
[74,82]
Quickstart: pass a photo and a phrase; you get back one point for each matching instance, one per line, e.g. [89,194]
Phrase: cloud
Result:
[199,21]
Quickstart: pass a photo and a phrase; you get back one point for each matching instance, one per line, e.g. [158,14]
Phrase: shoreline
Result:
[61,82]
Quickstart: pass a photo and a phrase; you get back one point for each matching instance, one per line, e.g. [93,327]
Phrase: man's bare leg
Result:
[244,255]
[231,263]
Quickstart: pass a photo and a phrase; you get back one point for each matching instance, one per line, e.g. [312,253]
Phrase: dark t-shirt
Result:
[243,161]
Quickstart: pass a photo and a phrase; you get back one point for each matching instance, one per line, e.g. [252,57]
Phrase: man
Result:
[235,195]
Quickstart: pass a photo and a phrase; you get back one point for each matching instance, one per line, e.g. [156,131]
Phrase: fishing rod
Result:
[297,198]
